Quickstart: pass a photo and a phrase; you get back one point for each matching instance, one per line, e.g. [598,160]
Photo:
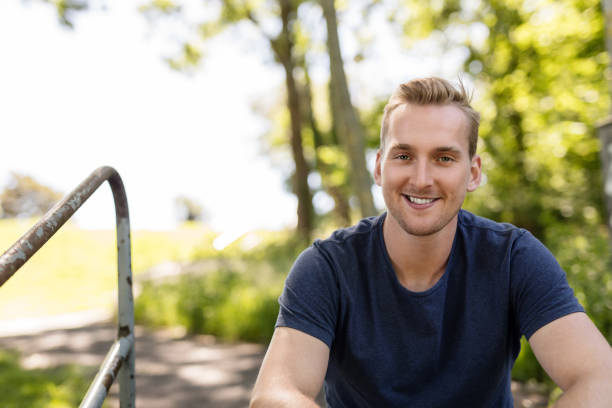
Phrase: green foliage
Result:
[59,387]
[526,366]
[278,248]
[583,251]
[223,303]
[236,300]
[541,73]
[247,313]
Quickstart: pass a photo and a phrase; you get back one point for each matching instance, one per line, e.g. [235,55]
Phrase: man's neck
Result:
[419,261]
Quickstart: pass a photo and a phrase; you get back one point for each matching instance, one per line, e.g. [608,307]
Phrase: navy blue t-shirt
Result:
[452,345]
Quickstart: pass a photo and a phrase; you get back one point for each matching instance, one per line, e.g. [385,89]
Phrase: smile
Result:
[419,200]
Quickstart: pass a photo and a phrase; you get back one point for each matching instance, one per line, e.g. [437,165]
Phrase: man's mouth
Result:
[420,200]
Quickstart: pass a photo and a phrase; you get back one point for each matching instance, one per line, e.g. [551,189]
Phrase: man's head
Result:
[427,161]
[433,91]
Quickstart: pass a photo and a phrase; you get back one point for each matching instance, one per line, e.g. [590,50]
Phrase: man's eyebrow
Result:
[401,146]
[449,149]
[441,149]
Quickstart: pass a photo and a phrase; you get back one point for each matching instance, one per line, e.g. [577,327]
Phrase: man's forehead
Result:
[444,119]
[448,109]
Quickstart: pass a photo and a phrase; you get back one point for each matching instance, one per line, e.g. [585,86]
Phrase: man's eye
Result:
[403,157]
[445,159]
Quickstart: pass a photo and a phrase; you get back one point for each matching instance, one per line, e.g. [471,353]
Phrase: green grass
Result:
[58,387]
[77,269]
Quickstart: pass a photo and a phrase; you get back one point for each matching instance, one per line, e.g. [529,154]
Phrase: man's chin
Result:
[421,231]
[421,227]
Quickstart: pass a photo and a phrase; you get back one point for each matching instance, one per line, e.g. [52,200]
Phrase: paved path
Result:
[172,370]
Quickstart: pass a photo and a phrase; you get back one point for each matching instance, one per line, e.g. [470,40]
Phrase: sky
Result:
[101,94]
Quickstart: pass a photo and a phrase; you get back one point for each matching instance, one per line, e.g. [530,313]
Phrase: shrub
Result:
[248,314]
[224,303]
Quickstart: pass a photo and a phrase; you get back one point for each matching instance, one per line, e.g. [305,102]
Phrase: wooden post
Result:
[604,131]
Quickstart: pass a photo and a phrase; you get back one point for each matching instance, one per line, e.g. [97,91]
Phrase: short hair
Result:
[433,91]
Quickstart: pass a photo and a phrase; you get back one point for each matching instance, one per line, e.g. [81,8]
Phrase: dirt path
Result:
[171,370]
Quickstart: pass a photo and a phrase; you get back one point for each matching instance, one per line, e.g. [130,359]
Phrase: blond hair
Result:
[433,91]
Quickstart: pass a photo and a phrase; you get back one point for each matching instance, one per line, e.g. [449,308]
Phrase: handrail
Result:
[122,350]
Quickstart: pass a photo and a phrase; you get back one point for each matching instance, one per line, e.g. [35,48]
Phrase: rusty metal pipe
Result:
[116,358]
[43,230]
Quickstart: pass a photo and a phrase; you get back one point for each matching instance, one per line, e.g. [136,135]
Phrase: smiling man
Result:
[425,305]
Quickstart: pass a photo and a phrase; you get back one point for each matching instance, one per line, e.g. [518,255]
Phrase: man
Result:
[424,306]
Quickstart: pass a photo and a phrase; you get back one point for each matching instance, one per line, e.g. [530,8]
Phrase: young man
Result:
[424,305]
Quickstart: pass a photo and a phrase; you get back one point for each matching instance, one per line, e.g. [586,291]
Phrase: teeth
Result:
[417,200]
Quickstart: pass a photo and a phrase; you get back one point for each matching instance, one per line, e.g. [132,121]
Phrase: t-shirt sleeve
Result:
[309,302]
[540,291]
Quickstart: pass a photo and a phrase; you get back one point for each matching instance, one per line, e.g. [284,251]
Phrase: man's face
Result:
[425,170]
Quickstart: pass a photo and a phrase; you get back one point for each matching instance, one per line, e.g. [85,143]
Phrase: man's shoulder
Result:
[470,221]
[482,234]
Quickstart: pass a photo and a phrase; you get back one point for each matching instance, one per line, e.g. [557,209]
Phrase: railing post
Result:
[127,382]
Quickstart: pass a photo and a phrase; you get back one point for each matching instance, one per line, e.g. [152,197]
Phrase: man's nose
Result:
[422,177]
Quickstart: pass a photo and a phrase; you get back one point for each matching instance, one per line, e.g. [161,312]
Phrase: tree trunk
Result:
[605,135]
[283,47]
[346,121]
[341,207]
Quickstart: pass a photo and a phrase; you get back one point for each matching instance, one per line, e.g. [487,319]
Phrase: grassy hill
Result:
[76,270]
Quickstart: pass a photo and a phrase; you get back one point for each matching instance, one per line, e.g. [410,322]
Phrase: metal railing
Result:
[119,361]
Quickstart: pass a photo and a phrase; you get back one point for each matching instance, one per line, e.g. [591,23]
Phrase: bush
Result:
[224,303]
[527,367]
[247,314]
[235,301]
[584,253]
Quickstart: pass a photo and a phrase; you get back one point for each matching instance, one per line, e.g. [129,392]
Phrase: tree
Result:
[345,119]
[25,197]
[283,50]
[605,129]
[330,162]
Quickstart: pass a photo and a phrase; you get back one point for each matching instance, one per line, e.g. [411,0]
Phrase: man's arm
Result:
[292,372]
[578,359]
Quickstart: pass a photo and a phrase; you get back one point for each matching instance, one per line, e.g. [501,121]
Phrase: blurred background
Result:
[244,129]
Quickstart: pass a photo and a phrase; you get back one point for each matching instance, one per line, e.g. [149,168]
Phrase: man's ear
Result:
[377,169]
[475,173]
